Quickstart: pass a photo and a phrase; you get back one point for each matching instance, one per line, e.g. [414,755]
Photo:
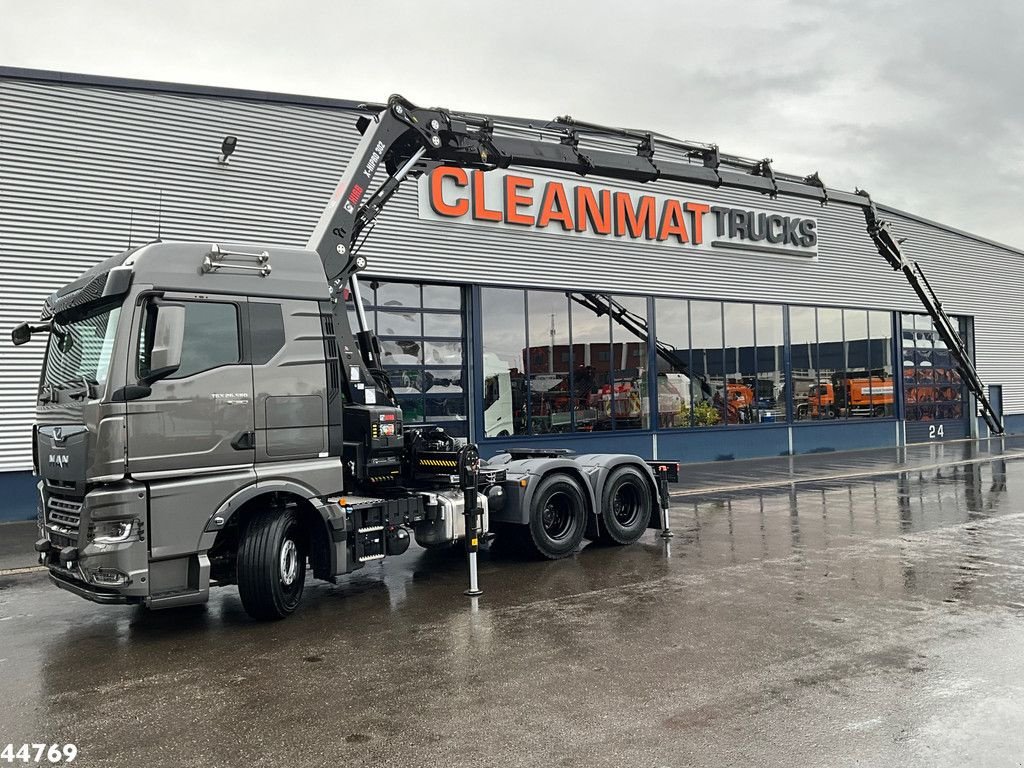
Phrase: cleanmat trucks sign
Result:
[583,209]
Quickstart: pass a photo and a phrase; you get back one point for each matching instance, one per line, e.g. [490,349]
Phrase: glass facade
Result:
[841,363]
[727,357]
[932,389]
[421,329]
[558,362]
[564,361]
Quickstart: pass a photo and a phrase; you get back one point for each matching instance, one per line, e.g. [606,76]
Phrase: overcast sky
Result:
[919,102]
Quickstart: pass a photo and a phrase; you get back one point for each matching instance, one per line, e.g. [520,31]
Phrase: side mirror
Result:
[168,335]
[22,334]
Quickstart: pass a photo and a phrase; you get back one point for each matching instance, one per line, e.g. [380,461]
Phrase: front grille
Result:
[59,541]
[66,513]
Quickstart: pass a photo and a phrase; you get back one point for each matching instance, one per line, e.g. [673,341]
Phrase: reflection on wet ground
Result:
[871,621]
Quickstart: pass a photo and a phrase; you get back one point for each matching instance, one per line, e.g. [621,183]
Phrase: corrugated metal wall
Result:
[82,165]
[78,165]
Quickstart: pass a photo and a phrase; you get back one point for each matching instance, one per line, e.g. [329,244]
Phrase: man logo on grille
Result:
[59,460]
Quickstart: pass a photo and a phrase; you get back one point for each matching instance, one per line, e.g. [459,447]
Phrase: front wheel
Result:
[625,506]
[558,516]
[272,564]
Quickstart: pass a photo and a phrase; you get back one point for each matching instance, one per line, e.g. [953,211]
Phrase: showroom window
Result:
[932,389]
[628,400]
[557,362]
[675,379]
[740,364]
[505,402]
[719,363]
[421,332]
[707,363]
[770,384]
[880,352]
[549,364]
[841,363]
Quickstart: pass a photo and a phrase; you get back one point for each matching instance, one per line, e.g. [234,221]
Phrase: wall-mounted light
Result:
[227,147]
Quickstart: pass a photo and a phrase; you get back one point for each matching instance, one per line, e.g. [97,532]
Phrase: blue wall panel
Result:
[18,492]
[693,446]
[1014,423]
[823,437]
[638,443]
[685,445]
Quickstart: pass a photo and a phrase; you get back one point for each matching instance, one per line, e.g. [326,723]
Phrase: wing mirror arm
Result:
[22,333]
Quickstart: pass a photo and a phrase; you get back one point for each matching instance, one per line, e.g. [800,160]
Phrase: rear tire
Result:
[626,506]
[558,516]
[272,564]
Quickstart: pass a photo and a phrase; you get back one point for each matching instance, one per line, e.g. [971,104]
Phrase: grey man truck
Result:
[206,414]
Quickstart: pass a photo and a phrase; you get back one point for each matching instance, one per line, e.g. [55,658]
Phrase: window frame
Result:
[788,416]
[423,366]
[146,303]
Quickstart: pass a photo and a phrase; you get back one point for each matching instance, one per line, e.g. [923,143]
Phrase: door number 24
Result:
[935,430]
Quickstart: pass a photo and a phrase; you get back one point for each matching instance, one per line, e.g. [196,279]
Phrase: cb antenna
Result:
[159,213]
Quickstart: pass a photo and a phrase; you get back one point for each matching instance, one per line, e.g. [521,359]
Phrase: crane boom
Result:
[405,140]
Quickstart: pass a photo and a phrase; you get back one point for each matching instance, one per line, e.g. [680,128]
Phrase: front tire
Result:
[558,516]
[625,506]
[272,564]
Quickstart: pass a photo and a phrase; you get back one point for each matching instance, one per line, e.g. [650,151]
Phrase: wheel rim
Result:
[626,505]
[289,562]
[557,517]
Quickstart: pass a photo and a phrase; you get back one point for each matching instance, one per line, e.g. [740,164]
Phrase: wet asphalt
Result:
[869,621]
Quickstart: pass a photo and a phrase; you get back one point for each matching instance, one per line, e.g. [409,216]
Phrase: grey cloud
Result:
[918,101]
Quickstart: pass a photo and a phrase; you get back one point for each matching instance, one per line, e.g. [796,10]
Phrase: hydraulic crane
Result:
[405,139]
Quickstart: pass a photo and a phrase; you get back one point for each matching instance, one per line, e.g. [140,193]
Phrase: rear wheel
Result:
[625,506]
[272,564]
[558,516]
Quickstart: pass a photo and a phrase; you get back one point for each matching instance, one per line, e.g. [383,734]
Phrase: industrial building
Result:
[513,307]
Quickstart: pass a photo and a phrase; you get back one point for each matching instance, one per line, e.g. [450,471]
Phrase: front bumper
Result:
[96,594]
[84,567]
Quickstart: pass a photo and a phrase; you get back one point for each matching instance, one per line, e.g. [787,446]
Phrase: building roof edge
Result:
[74,78]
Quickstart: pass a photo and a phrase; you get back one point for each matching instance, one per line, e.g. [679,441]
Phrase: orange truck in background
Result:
[858,396]
[740,406]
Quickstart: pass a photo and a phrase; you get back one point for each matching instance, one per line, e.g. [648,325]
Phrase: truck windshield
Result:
[81,350]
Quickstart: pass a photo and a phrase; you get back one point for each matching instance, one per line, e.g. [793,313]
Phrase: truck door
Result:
[192,437]
[290,390]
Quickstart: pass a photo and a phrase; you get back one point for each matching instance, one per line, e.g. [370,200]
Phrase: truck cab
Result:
[170,395]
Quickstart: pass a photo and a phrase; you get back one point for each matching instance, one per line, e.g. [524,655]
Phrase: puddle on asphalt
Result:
[944,535]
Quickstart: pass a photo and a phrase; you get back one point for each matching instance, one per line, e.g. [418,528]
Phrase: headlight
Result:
[113,531]
[109,577]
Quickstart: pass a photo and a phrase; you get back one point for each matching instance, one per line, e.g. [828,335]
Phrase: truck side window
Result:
[210,341]
[266,331]
[492,391]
